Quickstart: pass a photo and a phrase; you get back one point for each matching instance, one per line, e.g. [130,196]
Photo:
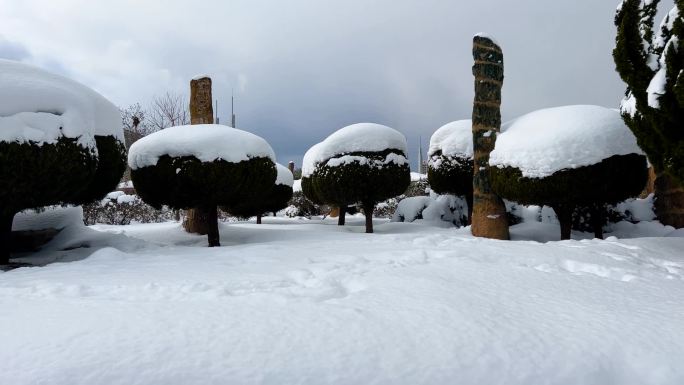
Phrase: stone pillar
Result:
[489,211]
[291,166]
[199,220]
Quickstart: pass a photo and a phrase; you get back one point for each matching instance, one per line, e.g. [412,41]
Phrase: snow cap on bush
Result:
[40,107]
[549,140]
[206,142]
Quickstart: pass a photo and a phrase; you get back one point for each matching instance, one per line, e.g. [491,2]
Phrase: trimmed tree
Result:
[201,166]
[566,158]
[363,163]
[450,161]
[651,63]
[272,200]
[60,143]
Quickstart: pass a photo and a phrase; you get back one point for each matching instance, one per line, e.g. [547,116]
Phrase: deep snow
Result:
[306,301]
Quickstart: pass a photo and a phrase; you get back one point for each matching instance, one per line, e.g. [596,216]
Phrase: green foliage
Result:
[610,181]
[310,192]
[659,131]
[453,176]
[363,183]
[34,175]
[110,167]
[274,200]
[186,182]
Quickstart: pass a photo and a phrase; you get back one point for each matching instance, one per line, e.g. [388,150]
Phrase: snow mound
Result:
[433,208]
[39,107]
[285,176]
[206,142]
[360,137]
[52,217]
[545,141]
[417,177]
[453,139]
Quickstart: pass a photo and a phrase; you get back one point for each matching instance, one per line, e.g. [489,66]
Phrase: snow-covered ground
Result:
[297,301]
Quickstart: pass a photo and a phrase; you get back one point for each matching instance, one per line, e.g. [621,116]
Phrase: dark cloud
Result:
[301,69]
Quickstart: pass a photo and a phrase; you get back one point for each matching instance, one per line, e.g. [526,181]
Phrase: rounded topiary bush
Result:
[51,131]
[363,163]
[272,199]
[201,166]
[568,157]
[450,161]
[111,166]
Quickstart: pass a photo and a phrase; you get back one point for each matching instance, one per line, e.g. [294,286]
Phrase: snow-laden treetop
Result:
[453,139]
[545,141]
[360,137]
[39,107]
[285,176]
[206,142]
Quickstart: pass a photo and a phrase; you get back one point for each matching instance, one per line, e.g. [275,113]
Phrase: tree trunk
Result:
[340,218]
[489,218]
[201,112]
[368,212]
[669,201]
[213,232]
[198,220]
[597,220]
[258,219]
[564,214]
[5,238]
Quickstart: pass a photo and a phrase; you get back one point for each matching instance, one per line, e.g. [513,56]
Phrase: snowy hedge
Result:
[568,157]
[60,142]
[204,165]
[450,160]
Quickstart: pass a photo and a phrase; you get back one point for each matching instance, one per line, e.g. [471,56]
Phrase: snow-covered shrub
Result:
[450,160]
[60,143]
[301,206]
[568,157]
[272,199]
[363,163]
[117,208]
[410,209]
[651,62]
[445,208]
[204,165]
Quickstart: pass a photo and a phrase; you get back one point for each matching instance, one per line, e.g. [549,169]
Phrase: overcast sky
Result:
[303,69]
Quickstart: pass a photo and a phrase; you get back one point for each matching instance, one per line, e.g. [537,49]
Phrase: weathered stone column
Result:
[489,211]
[198,220]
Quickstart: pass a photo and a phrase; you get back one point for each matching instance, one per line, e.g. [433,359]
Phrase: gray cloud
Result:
[12,51]
[302,69]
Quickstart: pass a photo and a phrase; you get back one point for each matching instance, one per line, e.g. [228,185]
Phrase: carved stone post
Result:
[199,219]
[489,211]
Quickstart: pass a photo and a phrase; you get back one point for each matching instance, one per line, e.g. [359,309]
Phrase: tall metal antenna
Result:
[232,110]
[420,154]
